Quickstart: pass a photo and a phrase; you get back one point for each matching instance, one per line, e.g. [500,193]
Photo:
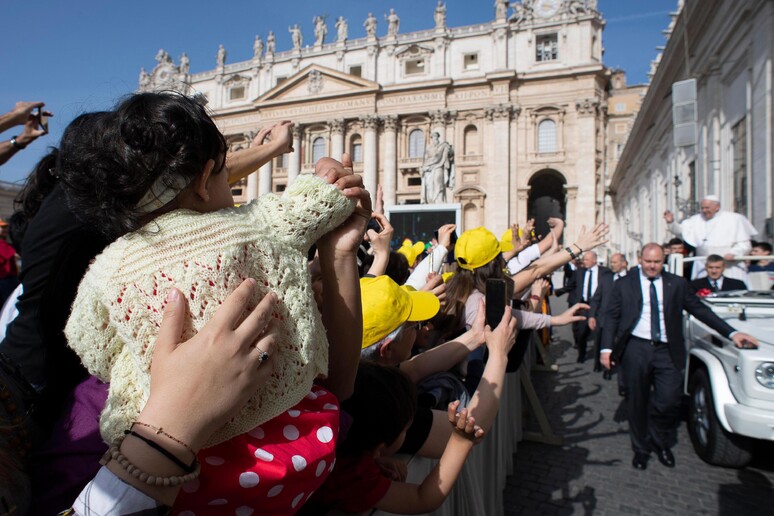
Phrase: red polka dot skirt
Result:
[273,469]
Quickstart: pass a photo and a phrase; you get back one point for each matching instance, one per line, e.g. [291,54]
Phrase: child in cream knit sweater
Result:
[159,174]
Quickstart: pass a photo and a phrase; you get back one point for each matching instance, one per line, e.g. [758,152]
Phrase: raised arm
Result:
[342,311]
[431,493]
[586,240]
[242,163]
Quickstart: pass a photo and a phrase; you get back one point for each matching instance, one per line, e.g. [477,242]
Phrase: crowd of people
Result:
[170,351]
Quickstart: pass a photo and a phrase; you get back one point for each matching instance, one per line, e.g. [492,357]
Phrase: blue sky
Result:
[81,55]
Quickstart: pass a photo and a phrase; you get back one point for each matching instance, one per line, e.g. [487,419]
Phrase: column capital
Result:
[587,106]
[390,122]
[442,116]
[336,126]
[369,121]
[501,111]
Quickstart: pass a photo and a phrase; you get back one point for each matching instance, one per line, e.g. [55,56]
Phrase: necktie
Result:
[655,317]
[714,285]
[588,287]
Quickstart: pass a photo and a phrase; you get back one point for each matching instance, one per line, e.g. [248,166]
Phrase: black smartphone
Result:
[42,119]
[374,224]
[453,239]
[496,301]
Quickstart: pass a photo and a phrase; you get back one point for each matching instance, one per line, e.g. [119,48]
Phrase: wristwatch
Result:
[15,144]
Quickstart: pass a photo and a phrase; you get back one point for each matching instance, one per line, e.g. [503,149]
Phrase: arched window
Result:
[471,140]
[356,148]
[547,136]
[318,149]
[416,143]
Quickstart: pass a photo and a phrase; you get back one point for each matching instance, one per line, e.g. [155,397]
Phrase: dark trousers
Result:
[653,414]
[581,333]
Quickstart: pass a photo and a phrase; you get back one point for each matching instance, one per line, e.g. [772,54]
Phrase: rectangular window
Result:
[280,80]
[415,66]
[237,92]
[356,70]
[620,107]
[415,181]
[279,188]
[470,61]
[357,152]
[739,149]
[236,192]
[547,48]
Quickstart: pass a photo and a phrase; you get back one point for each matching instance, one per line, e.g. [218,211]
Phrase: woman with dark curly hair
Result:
[159,183]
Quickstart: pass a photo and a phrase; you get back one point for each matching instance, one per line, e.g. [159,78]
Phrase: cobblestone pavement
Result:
[592,473]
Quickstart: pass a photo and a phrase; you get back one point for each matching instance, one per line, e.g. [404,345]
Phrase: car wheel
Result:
[713,444]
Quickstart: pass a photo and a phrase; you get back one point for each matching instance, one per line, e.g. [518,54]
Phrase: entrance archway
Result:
[546,198]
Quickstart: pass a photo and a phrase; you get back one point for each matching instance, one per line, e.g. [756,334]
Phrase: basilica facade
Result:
[521,99]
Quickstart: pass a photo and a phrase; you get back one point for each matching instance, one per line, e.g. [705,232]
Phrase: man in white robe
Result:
[713,231]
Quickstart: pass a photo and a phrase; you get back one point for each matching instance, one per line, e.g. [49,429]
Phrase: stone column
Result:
[585,165]
[294,160]
[389,184]
[337,138]
[370,143]
[253,188]
[497,209]
[264,173]
[570,216]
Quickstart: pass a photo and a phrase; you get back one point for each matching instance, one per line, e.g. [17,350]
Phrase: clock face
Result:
[546,8]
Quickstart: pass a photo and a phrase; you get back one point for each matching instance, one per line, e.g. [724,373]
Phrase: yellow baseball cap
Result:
[475,248]
[447,276]
[386,306]
[411,251]
[506,241]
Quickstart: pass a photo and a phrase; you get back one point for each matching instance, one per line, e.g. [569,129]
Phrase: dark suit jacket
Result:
[728,284]
[601,297]
[625,308]
[575,288]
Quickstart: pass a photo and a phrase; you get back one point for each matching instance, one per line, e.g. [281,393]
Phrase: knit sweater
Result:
[118,310]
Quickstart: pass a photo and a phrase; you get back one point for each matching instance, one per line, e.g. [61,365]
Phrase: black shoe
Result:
[581,358]
[666,457]
[640,461]
[607,375]
[622,392]
[597,368]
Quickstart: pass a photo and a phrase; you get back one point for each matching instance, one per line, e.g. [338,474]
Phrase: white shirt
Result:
[433,262]
[642,329]
[718,282]
[619,275]
[594,278]
[523,259]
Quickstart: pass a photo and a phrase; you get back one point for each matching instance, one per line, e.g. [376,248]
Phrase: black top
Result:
[56,251]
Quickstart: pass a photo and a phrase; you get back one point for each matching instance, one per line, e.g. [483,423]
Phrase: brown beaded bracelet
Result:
[114,454]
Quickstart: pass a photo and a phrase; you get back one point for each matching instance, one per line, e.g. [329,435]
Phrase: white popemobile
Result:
[731,390]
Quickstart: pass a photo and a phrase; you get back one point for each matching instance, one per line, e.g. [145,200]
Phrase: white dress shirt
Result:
[620,274]
[594,282]
[642,329]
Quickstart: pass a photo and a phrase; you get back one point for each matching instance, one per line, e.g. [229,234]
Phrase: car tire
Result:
[712,443]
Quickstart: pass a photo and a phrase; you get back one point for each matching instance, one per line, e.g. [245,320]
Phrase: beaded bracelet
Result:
[160,431]
[114,454]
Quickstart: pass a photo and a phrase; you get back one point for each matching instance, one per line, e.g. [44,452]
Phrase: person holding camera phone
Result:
[35,121]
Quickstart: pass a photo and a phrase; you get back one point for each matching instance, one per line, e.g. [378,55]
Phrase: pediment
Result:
[317,82]
[414,51]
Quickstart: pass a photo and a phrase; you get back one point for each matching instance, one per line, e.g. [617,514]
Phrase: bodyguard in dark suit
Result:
[582,288]
[597,309]
[643,332]
[715,281]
